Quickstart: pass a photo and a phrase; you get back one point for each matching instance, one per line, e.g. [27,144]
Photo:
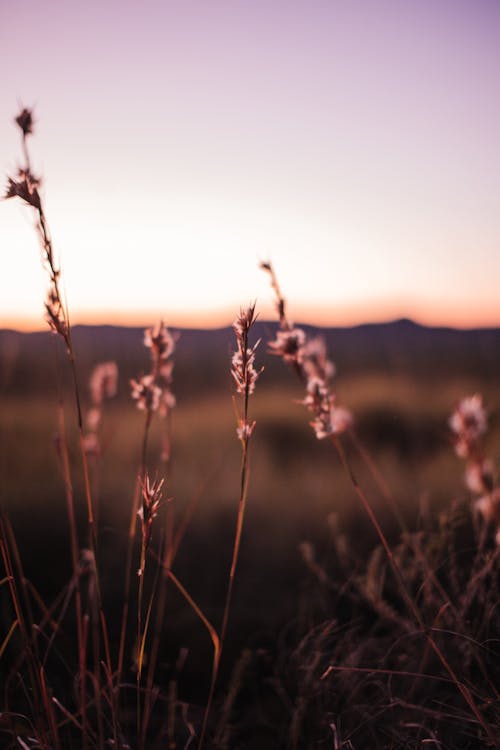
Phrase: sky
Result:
[354,143]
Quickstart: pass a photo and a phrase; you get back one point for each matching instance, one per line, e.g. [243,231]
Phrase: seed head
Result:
[468,422]
[103,382]
[244,430]
[489,506]
[151,503]
[93,419]
[315,361]
[480,475]
[25,121]
[160,341]
[289,345]
[243,360]
[146,393]
[332,422]
[55,313]
[26,188]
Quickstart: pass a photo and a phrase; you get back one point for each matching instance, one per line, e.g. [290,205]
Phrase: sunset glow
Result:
[354,144]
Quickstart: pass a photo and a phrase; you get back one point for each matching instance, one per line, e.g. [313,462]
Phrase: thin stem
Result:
[142,570]
[246,375]
[160,609]
[68,485]
[130,545]
[128,578]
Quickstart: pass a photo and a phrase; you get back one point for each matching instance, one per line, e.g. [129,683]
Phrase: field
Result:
[298,493]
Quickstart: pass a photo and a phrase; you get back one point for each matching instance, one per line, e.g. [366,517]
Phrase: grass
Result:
[314,625]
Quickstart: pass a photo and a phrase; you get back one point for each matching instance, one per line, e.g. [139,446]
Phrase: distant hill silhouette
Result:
[27,361]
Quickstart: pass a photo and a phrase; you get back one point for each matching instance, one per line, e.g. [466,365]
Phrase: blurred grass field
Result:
[402,422]
[296,481]
[298,492]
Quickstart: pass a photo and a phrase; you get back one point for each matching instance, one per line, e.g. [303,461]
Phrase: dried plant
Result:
[245,376]
[151,501]
[309,359]
[26,187]
[153,391]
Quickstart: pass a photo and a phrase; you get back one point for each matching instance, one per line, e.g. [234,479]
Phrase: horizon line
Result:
[434,313]
[222,319]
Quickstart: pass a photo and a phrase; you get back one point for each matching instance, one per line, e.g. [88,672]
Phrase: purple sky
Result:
[355,143]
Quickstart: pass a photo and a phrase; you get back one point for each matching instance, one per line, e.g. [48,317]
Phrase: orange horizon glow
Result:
[434,316]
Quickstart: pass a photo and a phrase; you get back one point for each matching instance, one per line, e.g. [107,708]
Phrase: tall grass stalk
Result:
[152,393]
[25,186]
[245,376]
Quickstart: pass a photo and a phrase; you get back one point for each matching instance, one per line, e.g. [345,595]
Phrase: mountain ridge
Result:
[402,346]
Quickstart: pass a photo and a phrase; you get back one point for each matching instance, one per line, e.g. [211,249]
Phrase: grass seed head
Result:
[469,422]
[289,345]
[243,360]
[25,121]
[146,393]
[26,188]
[160,341]
[151,503]
[103,382]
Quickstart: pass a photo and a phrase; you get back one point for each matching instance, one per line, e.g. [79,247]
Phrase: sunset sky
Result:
[355,143]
